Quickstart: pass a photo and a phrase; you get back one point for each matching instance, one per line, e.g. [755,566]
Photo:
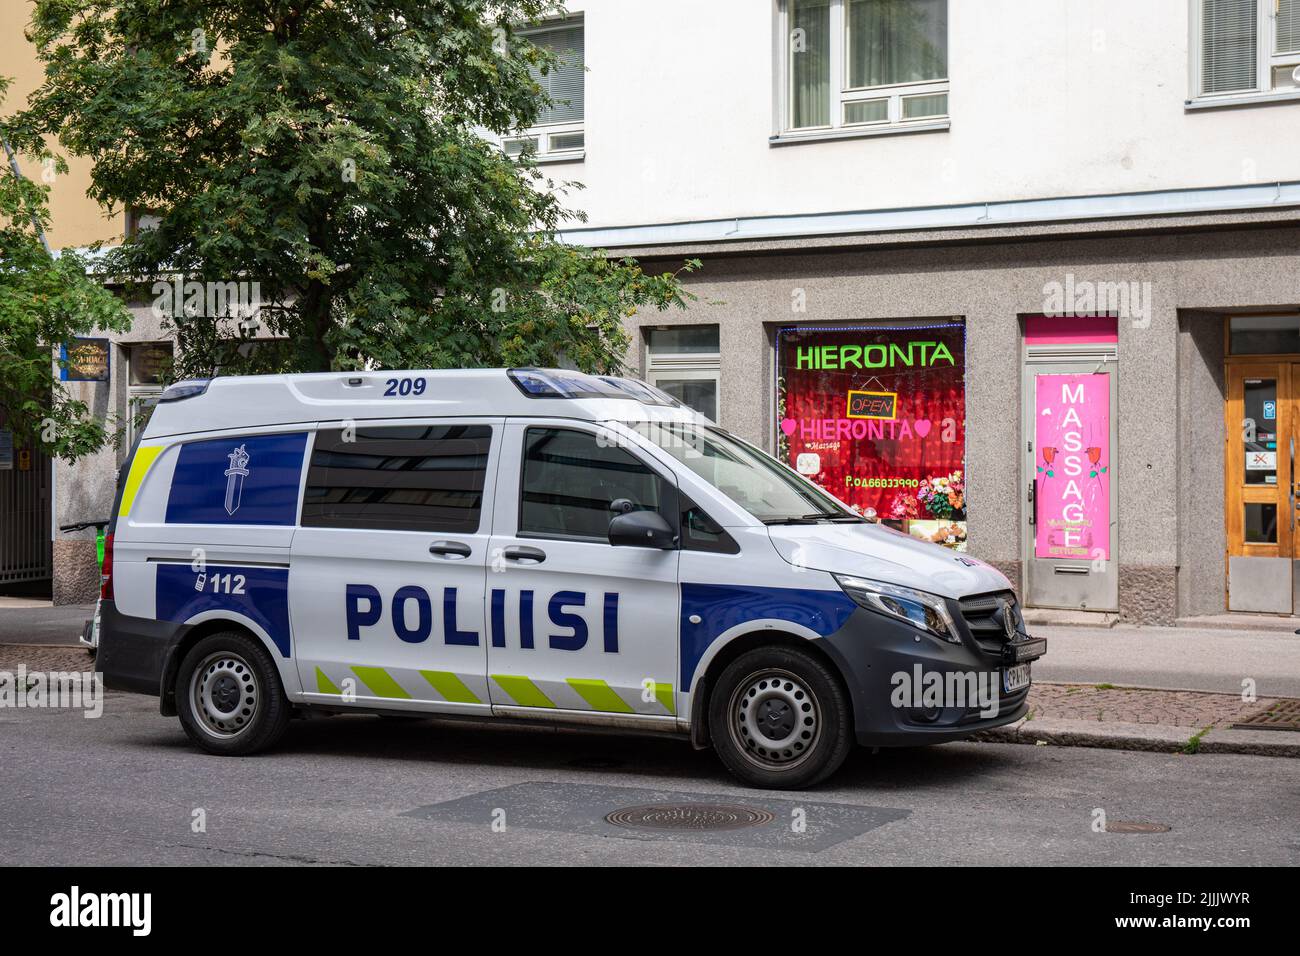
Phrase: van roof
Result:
[259,401]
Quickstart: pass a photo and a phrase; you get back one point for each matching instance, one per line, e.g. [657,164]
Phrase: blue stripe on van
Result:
[258,593]
[723,606]
[238,480]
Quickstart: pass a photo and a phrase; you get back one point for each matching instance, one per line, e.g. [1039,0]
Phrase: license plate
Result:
[1015,678]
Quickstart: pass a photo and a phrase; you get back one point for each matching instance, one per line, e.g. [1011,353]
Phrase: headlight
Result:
[926,612]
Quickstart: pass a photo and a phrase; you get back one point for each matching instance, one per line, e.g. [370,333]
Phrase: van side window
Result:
[702,533]
[570,480]
[398,478]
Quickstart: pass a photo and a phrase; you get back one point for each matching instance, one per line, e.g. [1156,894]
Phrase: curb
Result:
[1152,738]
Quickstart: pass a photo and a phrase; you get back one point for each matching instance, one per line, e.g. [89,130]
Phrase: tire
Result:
[780,719]
[229,697]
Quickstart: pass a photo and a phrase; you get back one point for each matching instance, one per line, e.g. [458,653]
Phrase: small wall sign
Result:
[84,360]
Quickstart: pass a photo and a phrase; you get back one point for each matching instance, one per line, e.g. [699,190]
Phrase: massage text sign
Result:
[875,414]
[1072,466]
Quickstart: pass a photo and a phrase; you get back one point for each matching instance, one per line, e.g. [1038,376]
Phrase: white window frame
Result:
[137,396]
[546,134]
[690,366]
[841,93]
[1266,61]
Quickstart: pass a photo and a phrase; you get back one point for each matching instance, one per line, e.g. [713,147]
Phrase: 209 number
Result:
[404,386]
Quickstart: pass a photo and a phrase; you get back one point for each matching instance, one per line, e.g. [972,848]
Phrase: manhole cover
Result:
[1278,715]
[689,816]
[1135,826]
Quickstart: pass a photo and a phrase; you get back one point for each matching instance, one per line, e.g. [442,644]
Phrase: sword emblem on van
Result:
[235,476]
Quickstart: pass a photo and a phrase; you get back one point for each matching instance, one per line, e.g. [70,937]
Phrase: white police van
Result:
[531,544]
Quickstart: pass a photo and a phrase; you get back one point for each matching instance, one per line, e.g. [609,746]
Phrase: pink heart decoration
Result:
[788,425]
[921,426]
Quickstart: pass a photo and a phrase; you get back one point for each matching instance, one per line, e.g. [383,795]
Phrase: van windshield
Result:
[767,489]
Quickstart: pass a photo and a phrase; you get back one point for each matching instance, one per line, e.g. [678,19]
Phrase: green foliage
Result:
[44,301]
[332,151]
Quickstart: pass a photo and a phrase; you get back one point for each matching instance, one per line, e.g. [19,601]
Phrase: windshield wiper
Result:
[813,518]
[833,516]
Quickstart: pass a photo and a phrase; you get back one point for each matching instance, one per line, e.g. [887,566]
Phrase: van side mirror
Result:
[641,529]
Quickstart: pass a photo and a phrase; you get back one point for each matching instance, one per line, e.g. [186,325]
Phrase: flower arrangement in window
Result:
[944,498]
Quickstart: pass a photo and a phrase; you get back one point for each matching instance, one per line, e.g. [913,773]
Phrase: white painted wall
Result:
[1048,98]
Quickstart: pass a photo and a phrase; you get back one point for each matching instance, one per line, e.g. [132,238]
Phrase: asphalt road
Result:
[125,789]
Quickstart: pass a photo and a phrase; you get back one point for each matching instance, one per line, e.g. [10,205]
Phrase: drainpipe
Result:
[13,164]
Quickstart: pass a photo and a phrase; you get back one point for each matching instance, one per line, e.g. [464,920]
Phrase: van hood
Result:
[883,554]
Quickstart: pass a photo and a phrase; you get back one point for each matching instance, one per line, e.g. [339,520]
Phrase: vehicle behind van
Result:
[533,545]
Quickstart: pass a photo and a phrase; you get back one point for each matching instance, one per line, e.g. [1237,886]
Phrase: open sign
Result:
[876,405]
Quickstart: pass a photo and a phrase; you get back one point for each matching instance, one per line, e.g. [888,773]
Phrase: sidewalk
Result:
[1133,718]
[1172,658]
[27,621]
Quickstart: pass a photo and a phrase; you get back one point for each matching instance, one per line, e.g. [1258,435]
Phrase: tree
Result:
[45,301]
[333,152]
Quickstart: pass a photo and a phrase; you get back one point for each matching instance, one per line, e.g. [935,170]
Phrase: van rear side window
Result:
[398,478]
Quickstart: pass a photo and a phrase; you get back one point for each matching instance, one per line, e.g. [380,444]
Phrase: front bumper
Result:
[872,651]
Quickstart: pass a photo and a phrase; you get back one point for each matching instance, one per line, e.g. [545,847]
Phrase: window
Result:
[149,363]
[702,533]
[755,481]
[1263,334]
[686,362]
[1245,47]
[558,133]
[863,64]
[571,479]
[398,478]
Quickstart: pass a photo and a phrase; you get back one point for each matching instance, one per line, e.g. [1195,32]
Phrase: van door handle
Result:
[523,553]
[450,549]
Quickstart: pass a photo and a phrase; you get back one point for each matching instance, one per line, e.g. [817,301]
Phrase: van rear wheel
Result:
[779,719]
[229,697]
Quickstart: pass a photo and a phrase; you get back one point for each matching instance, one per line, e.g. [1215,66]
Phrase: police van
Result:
[529,544]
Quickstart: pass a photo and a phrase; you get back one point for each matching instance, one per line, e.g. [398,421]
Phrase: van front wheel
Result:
[229,697]
[779,719]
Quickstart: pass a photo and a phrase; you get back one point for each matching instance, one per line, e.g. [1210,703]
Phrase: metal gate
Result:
[25,480]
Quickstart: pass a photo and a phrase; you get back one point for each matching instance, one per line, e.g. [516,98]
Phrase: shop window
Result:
[876,415]
[686,362]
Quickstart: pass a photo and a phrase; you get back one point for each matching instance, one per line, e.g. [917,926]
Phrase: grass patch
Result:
[1193,744]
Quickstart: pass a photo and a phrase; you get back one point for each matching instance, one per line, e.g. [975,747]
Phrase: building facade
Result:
[1017,276]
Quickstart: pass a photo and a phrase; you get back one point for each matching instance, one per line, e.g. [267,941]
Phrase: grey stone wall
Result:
[1170,520]
[84,489]
[1202,537]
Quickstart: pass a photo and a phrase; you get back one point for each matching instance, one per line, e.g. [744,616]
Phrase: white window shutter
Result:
[1288,26]
[1229,45]
[565,80]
